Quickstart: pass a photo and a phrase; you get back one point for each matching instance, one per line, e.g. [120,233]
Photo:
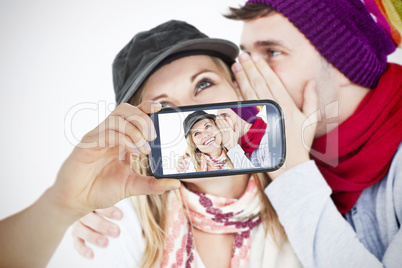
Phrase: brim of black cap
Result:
[226,49]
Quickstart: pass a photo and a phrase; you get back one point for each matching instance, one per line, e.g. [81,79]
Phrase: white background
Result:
[55,57]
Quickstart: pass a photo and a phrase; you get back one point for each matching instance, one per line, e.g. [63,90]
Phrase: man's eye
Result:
[203,84]
[273,53]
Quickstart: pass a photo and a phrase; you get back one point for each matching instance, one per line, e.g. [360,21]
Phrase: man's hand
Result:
[95,229]
[229,137]
[256,80]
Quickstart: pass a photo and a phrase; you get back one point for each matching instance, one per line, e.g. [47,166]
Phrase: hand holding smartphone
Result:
[217,139]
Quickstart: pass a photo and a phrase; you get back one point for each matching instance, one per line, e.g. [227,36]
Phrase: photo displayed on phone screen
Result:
[217,140]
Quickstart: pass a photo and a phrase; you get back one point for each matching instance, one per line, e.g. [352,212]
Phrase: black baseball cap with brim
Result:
[150,50]
[193,118]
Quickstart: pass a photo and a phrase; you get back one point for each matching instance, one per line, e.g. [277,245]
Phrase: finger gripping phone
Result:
[217,139]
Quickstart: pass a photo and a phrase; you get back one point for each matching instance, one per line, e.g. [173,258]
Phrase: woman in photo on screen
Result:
[211,144]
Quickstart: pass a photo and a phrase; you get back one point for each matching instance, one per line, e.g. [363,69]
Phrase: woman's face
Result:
[188,81]
[207,137]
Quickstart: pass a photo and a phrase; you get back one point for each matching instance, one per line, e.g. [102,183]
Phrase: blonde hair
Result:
[152,209]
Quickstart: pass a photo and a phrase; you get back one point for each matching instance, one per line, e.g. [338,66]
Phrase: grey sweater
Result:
[260,157]
[368,236]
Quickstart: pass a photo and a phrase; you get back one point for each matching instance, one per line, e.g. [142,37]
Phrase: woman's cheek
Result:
[218,139]
[196,142]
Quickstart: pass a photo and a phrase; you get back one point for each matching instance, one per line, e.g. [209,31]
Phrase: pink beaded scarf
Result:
[210,214]
[220,162]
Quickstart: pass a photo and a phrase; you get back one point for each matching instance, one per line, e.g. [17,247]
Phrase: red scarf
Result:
[366,141]
[251,140]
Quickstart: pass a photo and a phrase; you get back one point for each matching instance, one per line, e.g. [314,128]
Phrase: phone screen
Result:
[217,139]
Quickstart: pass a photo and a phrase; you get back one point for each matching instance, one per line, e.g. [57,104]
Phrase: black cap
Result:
[150,50]
[193,118]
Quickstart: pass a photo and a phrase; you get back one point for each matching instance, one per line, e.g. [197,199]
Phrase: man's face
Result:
[234,121]
[289,54]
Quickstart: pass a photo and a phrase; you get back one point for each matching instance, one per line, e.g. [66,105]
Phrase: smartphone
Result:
[217,139]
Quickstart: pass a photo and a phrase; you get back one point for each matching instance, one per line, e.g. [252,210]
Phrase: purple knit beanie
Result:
[248,114]
[344,32]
